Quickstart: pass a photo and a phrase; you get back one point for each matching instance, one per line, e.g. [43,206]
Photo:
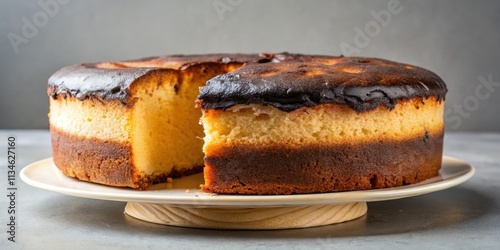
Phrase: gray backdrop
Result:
[459,40]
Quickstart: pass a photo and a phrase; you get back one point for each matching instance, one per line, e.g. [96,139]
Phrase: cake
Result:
[272,123]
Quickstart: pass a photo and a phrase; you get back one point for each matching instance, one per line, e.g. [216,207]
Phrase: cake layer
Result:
[281,169]
[91,118]
[322,124]
[104,162]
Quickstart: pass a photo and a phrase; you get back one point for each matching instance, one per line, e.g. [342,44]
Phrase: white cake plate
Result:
[181,203]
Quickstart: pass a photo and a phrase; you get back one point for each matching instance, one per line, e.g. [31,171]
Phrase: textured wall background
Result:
[459,40]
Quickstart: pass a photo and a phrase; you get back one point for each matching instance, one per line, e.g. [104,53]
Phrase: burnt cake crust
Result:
[361,83]
[304,80]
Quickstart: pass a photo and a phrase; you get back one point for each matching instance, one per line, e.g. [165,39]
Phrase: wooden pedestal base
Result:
[246,218]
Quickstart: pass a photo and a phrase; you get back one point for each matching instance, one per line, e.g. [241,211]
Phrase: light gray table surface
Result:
[463,217]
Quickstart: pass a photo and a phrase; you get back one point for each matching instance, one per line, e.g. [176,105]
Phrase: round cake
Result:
[271,123]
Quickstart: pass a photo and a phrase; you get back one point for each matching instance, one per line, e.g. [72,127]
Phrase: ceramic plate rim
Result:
[198,198]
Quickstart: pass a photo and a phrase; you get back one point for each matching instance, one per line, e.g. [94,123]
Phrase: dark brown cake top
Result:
[361,83]
[285,81]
